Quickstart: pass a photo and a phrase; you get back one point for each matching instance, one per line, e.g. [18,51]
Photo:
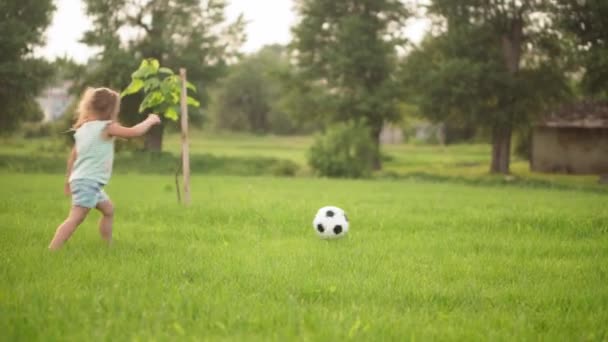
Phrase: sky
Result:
[268,22]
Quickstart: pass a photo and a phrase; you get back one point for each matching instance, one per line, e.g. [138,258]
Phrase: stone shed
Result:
[572,139]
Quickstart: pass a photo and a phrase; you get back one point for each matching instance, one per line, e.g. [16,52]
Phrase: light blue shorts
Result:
[87,193]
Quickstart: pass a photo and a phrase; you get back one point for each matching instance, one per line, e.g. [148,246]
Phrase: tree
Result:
[587,21]
[66,69]
[178,33]
[349,47]
[22,77]
[495,63]
[162,89]
[250,97]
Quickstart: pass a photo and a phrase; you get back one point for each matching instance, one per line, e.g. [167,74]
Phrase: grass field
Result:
[238,154]
[423,261]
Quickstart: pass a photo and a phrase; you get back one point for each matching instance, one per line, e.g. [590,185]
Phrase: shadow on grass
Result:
[159,163]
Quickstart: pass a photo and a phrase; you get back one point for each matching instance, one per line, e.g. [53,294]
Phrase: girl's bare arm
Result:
[116,130]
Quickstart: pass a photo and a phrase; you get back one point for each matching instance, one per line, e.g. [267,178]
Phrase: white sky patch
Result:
[66,29]
[416,28]
[268,21]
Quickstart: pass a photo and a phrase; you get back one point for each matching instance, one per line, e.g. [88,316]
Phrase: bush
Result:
[285,168]
[345,150]
[36,130]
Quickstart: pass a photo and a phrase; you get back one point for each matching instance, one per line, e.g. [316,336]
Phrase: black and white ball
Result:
[330,223]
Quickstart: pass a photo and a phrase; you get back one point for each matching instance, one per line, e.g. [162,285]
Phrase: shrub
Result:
[284,168]
[345,150]
[36,130]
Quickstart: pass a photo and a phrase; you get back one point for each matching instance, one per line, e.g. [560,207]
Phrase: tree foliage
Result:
[253,97]
[493,63]
[346,149]
[22,77]
[178,33]
[349,48]
[162,89]
[588,21]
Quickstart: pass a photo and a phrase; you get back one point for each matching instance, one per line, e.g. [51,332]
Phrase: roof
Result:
[583,114]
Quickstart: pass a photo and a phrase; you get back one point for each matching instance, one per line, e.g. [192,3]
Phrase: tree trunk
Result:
[377,159]
[154,139]
[511,45]
[501,134]
[501,149]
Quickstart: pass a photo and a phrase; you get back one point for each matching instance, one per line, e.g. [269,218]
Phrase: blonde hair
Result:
[97,104]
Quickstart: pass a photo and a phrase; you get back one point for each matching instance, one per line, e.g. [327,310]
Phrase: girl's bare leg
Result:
[105,223]
[65,230]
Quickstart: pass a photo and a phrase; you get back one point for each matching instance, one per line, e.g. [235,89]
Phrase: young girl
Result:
[90,163]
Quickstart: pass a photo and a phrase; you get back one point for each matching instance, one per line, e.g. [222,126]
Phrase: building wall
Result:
[570,150]
[391,135]
[55,100]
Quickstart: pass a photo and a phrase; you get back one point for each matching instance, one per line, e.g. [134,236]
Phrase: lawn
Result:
[241,154]
[423,261]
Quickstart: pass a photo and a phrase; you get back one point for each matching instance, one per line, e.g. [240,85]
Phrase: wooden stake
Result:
[185,147]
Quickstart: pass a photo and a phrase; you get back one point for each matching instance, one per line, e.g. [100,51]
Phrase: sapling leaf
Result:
[147,68]
[142,71]
[171,113]
[191,86]
[154,64]
[134,87]
[164,70]
[151,100]
[162,89]
[151,84]
[193,102]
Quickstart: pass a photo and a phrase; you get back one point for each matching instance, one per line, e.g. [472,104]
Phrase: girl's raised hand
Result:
[154,119]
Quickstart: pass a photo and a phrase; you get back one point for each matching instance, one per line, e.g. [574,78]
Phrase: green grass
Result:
[242,145]
[423,261]
[240,154]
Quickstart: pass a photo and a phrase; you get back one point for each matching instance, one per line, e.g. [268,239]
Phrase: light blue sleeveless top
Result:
[94,153]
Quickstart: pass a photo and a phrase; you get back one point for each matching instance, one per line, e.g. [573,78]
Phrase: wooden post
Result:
[185,147]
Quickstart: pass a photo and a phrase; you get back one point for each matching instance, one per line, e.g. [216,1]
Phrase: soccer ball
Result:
[330,223]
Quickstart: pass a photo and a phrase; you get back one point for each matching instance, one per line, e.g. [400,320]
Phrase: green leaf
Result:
[151,100]
[173,80]
[167,91]
[165,71]
[141,71]
[175,97]
[147,68]
[193,102]
[191,86]
[151,84]
[154,64]
[171,113]
[134,87]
